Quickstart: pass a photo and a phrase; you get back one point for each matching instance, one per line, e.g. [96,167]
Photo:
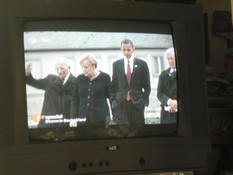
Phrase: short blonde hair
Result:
[91,59]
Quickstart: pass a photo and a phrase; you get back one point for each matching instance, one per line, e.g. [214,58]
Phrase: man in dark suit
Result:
[130,87]
[167,90]
[58,91]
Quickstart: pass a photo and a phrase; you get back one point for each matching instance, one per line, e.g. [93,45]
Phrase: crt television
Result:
[38,31]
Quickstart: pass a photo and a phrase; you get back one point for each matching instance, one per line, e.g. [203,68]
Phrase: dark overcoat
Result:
[167,89]
[90,99]
[57,97]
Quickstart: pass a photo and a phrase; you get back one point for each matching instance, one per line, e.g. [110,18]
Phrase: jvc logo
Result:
[112,148]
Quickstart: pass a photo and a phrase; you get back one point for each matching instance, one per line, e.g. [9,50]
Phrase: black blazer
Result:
[139,87]
[90,98]
[57,97]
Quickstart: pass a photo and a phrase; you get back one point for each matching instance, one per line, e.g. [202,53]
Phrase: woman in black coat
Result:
[91,93]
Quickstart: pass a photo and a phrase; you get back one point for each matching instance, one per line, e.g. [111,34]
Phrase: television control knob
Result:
[142,161]
[73,166]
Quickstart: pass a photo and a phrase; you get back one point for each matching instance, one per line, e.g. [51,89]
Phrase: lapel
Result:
[122,69]
[135,66]
[122,66]
[68,81]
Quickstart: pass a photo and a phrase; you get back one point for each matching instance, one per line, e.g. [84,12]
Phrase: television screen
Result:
[105,115]
[49,101]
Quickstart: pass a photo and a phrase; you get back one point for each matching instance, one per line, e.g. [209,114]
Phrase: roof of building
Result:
[91,40]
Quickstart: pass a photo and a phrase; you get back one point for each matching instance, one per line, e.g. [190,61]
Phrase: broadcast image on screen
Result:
[64,103]
[103,93]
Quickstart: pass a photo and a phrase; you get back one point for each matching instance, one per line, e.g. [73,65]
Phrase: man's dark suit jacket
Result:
[57,98]
[139,87]
[167,88]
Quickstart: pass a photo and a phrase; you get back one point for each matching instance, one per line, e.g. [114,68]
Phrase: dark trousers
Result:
[128,113]
[167,117]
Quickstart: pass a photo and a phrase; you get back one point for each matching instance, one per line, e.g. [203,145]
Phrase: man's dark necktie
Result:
[128,79]
[62,81]
[173,75]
